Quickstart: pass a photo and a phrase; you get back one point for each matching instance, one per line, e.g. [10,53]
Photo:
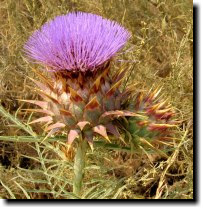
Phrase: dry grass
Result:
[161,49]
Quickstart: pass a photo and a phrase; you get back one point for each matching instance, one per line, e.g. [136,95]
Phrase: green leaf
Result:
[20,125]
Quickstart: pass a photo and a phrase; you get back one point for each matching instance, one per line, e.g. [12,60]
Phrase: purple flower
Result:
[76,42]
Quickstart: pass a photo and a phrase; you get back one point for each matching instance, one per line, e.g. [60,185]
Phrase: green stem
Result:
[79,165]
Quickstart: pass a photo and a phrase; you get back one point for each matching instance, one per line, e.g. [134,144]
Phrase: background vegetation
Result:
[161,52]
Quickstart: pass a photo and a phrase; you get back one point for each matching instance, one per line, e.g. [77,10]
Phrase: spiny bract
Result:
[80,94]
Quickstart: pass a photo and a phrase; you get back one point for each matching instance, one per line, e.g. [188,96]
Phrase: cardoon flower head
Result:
[84,104]
[76,42]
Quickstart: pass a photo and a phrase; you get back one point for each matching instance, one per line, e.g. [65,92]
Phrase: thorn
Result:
[100,129]
[82,124]
[74,95]
[41,104]
[55,125]
[92,104]
[48,112]
[113,89]
[42,119]
[73,134]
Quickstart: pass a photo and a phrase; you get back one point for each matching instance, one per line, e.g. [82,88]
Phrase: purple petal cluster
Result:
[76,42]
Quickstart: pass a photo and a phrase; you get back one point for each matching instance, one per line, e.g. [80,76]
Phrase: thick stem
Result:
[79,165]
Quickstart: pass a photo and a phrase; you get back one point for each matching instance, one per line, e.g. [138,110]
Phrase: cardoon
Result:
[79,93]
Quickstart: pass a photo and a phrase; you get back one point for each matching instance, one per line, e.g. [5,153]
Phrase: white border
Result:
[150,205]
